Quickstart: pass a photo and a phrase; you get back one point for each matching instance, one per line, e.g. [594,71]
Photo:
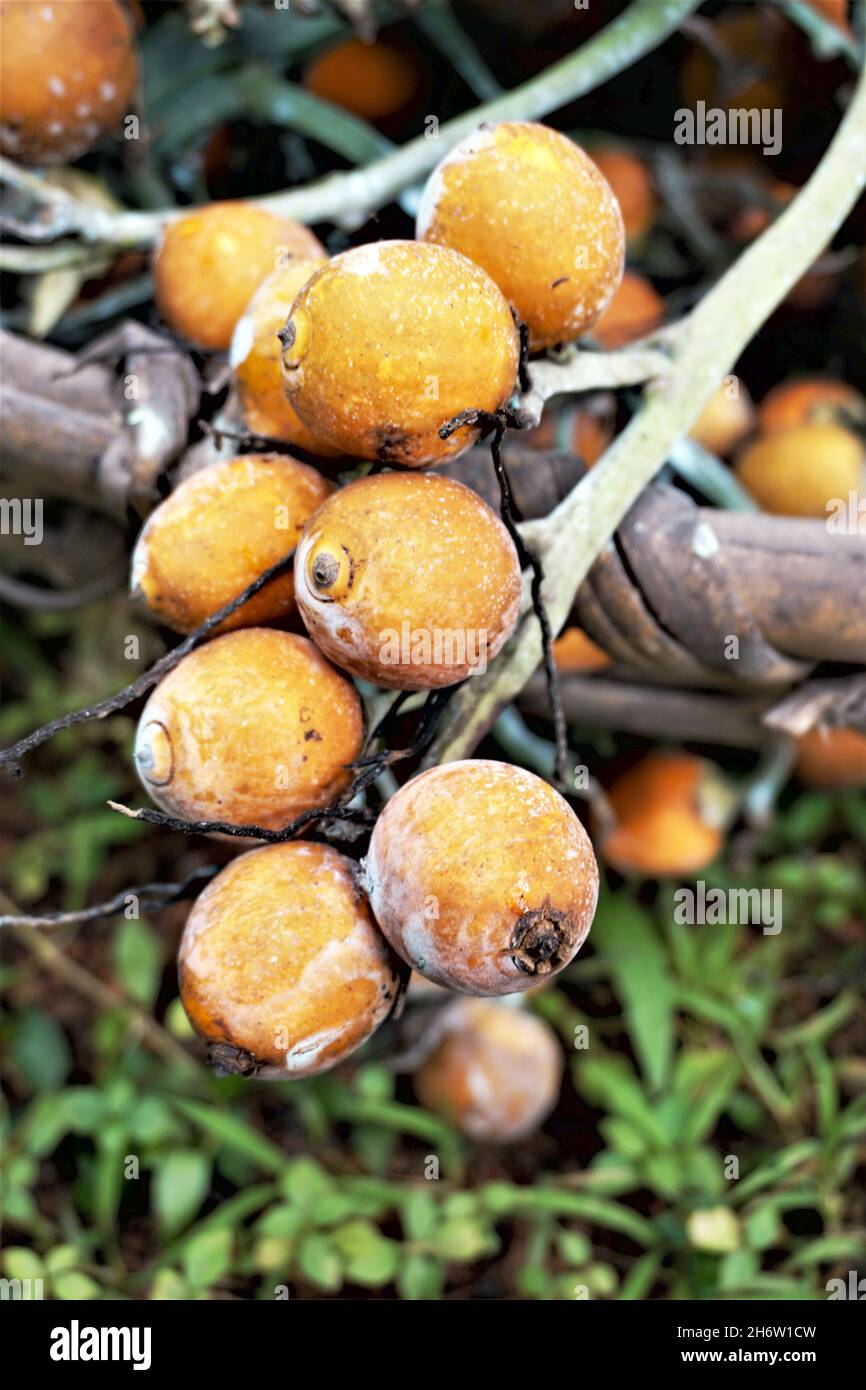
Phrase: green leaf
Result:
[573,1247]
[462,1239]
[419,1277]
[40,1051]
[611,1082]
[419,1214]
[319,1262]
[20,1262]
[180,1185]
[138,960]
[207,1258]
[628,939]
[73,1286]
[370,1258]
[762,1227]
[234,1132]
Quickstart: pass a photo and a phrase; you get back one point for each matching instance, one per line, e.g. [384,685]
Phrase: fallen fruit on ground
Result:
[671,809]
[482,877]
[496,1072]
[282,969]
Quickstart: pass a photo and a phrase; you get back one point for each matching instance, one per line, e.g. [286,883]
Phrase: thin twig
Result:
[148,895]
[140,686]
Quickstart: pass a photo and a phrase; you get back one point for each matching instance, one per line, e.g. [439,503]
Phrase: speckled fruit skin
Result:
[530,206]
[253,728]
[481,877]
[725,421]
[408,580]
[799,471]
[67,75]
[389,342]
[664,807]
[632,186]
[635,310]
[282,968]
[219,530]
[809,401]
[255,356]
[832,758]
[496,1072]
[210,262]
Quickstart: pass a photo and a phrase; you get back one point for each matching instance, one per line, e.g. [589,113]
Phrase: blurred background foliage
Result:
[130,1171]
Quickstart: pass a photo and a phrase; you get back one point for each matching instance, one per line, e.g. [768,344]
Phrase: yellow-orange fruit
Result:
[834,10]
[210,262]
[802,471]
[496,1072]
[530,206]
[482,877]
[373,80]
[670,809]
[389,342]
[809,401]
[832,758]
[219,530]
[282,969]
[586,431]
[574,651]
[253,728]
[632,186]
[635,310]
[409,580]
[726,419]
[255,356]
[67,75]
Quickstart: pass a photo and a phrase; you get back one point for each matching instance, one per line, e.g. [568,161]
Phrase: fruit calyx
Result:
[542,940]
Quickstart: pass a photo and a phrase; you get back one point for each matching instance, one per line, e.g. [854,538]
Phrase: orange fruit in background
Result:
[68,74]
[725,420]
[800,471]
[372,80]
[574,651]
[531,207]
[253,728]
[635,310]
[210,262]
[495,1073]
[832,758]
[217,532]
[669,808]
[255,354]
[282,967]
[753,75]
[389,342]
[809,401]
[632,185]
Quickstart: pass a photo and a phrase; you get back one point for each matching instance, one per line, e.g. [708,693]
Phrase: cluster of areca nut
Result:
[479,875]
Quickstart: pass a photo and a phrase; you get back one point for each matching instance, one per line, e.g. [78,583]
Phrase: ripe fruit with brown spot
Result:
[530,206]
[67,76]
[282,969]
[726,419]
[670,811]
[253,728]
[496,1072]
[576,652]
[635,310]
[219,530]
[408,580]
[482,877]
[210,262]
[810,401]
[389,342]
[373,80]
[255,356]
[801,471]
[832,758]
[632,186]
